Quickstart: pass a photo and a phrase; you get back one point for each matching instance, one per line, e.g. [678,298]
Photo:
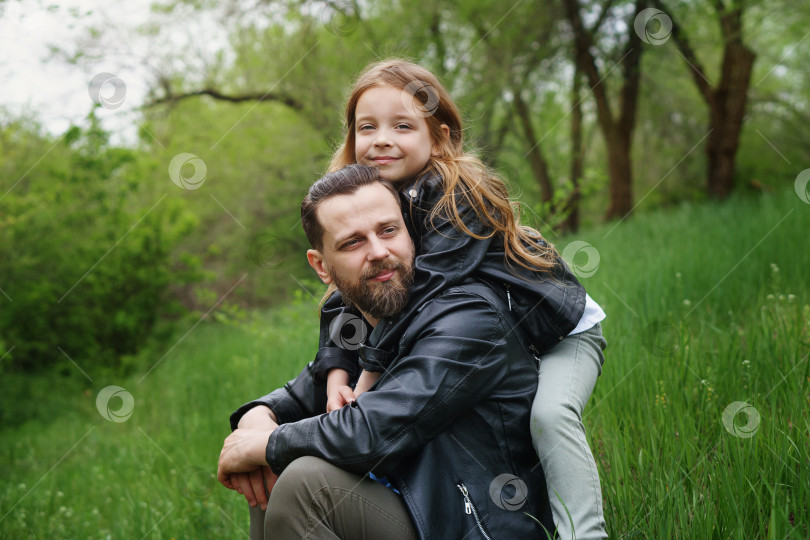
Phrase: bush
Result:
[86,248]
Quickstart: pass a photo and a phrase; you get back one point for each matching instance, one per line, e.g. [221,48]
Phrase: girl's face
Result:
[391,133]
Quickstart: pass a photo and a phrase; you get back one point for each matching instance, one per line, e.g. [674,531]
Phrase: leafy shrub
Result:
[86,248]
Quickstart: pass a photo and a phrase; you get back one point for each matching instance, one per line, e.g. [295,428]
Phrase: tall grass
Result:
[707,305]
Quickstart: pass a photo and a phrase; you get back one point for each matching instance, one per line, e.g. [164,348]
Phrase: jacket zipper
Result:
[508,296]
[470,509]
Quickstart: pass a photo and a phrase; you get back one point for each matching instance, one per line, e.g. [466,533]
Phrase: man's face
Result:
[367,251]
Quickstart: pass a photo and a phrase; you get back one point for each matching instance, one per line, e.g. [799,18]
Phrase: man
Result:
[447,424]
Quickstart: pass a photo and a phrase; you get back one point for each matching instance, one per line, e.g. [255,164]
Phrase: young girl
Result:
[400,119]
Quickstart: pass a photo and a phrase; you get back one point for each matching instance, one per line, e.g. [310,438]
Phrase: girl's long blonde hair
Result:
[466,178]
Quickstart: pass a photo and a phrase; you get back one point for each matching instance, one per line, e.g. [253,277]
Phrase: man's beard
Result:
[380,299]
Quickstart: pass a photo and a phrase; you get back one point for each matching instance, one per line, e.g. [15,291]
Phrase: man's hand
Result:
[256,485]
[242,452]
[339,396]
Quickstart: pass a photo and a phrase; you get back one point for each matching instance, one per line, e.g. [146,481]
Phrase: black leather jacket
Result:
[549,305]
[447,423]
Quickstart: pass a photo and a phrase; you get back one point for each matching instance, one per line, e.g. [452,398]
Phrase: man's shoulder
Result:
[465,306]
[495,296]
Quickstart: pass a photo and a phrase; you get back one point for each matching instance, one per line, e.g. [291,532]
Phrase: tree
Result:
[727,100]
[616,129]
[513,60]
[86,248]
[571,223]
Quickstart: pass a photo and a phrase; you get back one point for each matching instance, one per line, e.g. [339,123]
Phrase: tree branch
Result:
[601,18]
[632,77]
[587,62]
[232,98]
[536,159]
[695,67]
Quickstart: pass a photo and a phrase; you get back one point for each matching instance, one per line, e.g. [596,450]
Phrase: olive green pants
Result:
[314,499]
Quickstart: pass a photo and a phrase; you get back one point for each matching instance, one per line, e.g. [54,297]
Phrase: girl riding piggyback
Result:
[401,120]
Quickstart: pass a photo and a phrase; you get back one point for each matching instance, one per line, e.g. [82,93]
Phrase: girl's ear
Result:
[315,259]
[445,135]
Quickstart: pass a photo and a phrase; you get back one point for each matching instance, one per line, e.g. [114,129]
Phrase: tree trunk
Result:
[727,114]
[727,101]
[571,223]
[618,132]
[536,158]
[619,167]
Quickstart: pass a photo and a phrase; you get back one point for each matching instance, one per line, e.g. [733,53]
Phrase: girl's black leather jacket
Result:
[447,423]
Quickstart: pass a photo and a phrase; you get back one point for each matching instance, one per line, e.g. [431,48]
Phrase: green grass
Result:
[707,305]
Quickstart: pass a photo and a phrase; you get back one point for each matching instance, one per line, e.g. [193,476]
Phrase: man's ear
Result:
[446,134]
[315,259]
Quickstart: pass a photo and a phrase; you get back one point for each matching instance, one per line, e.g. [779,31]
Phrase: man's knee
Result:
[303,476]
[294,495]
[306,467]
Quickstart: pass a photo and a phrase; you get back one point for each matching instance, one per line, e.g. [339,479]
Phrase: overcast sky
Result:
[34,80]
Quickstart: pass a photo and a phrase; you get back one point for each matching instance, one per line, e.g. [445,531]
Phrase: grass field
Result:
[708,311]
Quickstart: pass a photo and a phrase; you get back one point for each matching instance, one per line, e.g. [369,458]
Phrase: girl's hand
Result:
[338,391]
[339,397]
[366,381]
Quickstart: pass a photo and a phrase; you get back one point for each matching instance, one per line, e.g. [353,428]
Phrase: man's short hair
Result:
[344,181]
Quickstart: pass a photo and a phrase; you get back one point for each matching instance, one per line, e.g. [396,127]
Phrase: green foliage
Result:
[707,305]
[121,479]
[85,249]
